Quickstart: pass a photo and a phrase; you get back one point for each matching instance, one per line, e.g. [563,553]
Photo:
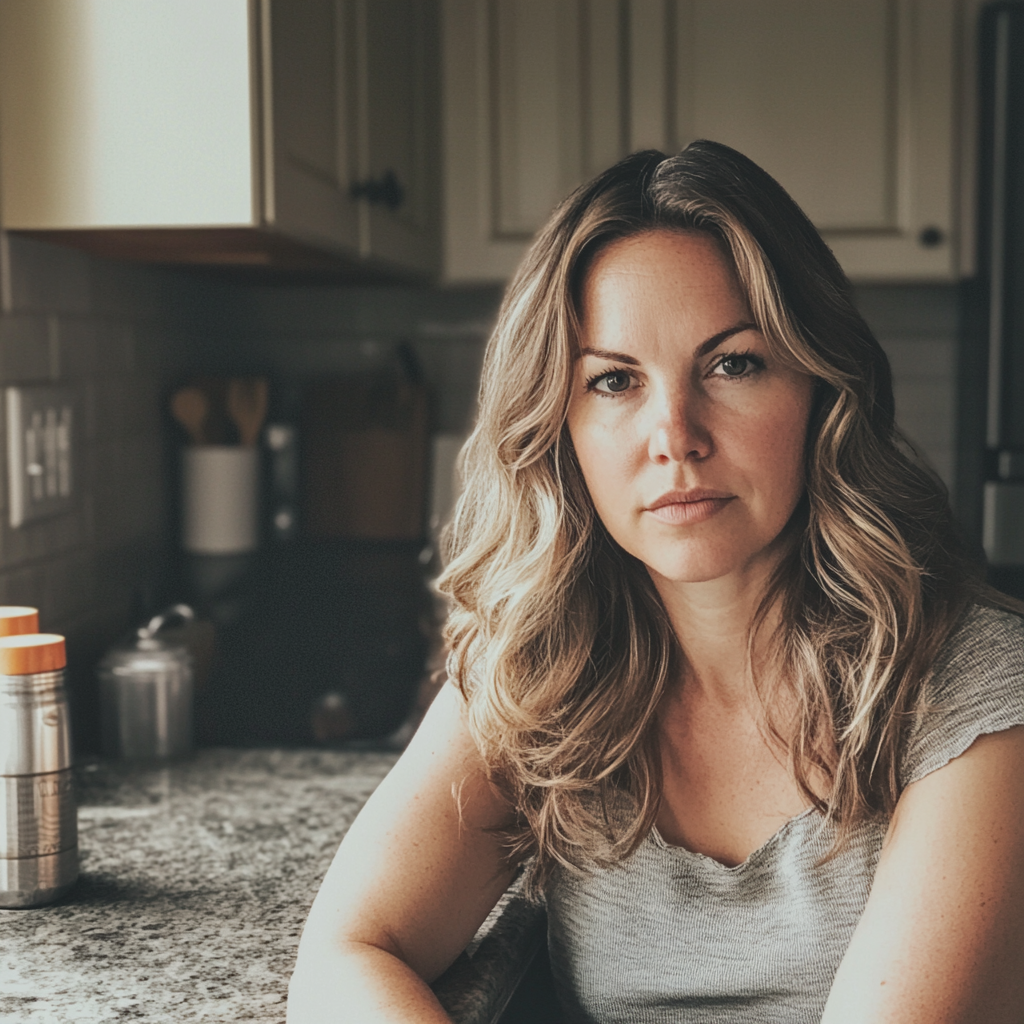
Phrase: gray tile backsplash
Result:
[918,327]
[121,335]
[88,324]
[297,332]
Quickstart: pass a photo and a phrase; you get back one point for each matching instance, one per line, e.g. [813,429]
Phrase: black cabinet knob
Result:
[386,190]
[931,237]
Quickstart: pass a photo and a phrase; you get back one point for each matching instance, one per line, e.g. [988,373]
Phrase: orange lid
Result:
[15,620]
[31,652]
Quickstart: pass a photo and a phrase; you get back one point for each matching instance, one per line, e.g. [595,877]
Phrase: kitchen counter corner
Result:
[195,884]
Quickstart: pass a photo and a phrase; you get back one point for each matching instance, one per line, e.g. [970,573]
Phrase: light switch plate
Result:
[41,424]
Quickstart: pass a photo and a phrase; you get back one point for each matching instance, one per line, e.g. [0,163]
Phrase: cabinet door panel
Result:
[534,57]
[397,85]
[650,60]
[535,103]
[850,106]
[308,123]
[806,88]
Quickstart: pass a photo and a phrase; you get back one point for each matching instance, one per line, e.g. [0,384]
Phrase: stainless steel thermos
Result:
[38,815]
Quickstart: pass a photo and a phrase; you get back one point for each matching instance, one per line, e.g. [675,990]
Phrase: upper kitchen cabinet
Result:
[851,106]
[296,133]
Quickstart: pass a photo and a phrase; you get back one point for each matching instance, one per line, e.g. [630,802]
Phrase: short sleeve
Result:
[976,687]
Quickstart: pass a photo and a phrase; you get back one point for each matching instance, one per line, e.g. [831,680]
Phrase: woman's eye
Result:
[612,383]
[737,366]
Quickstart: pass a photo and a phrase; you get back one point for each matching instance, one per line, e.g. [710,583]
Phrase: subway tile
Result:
[42,538]
[451,368]
[73,284]
[49,278]
[27,586]
[919,358]
[89,635]
[925,411]
[463,307]
[909,309]
[119,570]
[64,532]
[114,347]
[69,584]
[24,349]
[940,458]
[25,543]
[161,349]
[124,406]
[385,311]
[134,290]
[340,311]
[943,461]
[89,417]
[128,498]
[76,347]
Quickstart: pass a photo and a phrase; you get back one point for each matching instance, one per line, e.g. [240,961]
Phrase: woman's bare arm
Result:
[941,940]
[412,881]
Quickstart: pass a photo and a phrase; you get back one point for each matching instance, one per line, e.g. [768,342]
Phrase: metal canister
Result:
[146,694]
[38,816]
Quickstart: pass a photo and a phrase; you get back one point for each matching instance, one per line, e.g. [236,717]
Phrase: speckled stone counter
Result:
[195,884]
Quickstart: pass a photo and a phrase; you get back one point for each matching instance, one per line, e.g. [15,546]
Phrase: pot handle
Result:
[175,613]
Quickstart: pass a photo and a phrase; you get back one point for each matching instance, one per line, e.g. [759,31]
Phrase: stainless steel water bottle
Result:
[38,815]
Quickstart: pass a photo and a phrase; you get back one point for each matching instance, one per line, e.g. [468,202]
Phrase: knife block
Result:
[364,458]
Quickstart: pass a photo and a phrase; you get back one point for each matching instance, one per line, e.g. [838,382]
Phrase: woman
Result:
[718,663]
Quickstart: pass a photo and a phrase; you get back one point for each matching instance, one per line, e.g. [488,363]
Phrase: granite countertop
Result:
[195,884]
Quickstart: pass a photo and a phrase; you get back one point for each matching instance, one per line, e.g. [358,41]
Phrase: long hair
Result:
[558,640]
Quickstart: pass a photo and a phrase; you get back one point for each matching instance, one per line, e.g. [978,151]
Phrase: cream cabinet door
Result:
[849,104]
[308,129]
[353,152]
[397,84]
[235,131]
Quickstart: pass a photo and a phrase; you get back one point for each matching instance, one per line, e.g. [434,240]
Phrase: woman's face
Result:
[690,435]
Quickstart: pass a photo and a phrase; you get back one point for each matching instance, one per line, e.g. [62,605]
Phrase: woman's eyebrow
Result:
[617,357]
[716,339]
[702,349]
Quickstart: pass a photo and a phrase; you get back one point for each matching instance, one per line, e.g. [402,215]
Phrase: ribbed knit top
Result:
[674,936]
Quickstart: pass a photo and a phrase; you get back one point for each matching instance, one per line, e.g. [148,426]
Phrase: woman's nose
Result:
[678,432]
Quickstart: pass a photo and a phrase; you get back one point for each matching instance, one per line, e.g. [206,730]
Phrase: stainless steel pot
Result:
[38,816]
[146,696]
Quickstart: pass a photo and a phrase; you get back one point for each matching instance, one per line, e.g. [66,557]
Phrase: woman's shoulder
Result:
[985,637]
[976,687]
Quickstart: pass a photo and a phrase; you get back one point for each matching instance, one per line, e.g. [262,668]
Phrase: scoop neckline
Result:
[685,852]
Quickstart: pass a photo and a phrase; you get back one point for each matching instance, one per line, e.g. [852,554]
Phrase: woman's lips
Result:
[679,509]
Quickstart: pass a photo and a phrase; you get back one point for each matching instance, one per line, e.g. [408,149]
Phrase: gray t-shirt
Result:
[674,936]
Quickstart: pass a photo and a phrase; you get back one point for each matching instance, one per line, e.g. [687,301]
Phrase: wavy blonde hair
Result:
[558,640]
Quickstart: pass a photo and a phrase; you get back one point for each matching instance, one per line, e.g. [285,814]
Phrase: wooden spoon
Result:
[247,407]
[190,408]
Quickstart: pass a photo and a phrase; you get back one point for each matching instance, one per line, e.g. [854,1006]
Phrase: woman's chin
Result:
[709,567]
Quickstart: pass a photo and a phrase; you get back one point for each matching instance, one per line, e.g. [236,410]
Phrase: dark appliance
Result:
[1001,290]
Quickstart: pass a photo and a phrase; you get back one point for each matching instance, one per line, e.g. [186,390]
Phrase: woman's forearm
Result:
[357,983]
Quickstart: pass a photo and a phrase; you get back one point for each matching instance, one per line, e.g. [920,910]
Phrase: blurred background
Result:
[252,251]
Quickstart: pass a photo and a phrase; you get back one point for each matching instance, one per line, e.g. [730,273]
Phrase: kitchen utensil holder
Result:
[220,506]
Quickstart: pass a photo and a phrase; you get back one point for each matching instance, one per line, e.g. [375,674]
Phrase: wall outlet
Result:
[40,447]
